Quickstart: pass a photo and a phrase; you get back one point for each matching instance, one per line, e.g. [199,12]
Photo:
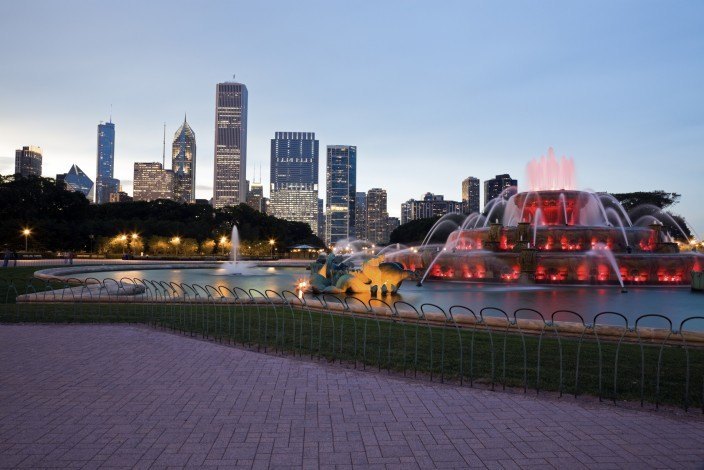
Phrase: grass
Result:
[496,357]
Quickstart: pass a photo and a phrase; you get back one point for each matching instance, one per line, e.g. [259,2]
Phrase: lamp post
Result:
[272,242]
[176,241]
[125,243]
[26,232]
[223,240]
[91,237]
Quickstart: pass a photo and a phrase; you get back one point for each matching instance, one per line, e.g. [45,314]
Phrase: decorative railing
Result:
[646,359]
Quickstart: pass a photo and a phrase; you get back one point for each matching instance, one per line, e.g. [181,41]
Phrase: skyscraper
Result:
[377,216]
[494,187]
[360,215]
[470,194]
[294,177]
[105,183]
[341,182]
[183,159]
[76,180]
[28,161]
[152,182]
[432,205]
[255,197]
[230,144]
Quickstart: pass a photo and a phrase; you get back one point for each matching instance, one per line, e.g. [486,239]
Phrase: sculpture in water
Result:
[332,275]
[555,233]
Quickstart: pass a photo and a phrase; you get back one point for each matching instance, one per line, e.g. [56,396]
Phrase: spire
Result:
[184,118]
[163,152]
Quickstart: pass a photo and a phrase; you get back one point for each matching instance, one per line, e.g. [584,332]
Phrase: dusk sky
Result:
[429,92]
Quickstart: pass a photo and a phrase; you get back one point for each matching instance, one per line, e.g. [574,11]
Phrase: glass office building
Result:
[183,163]
[105,183]
[76,180]
[341,185]
[28,161]
[229,185]
[294,177]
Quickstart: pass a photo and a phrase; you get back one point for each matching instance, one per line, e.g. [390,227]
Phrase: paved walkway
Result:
[120,396]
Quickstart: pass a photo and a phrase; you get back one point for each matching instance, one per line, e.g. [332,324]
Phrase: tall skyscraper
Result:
[360,215]
[377,216]
[229,186]
[294,177]
[105,183]
[183,163]
[152,182]
[470,194]
[76,180]
[255,197]
[494,187]
[341,179]
[28,161]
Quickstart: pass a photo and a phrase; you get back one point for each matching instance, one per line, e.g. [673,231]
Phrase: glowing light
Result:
[223,240]
[26,232]
[272,242]
[176,240]
[135,236]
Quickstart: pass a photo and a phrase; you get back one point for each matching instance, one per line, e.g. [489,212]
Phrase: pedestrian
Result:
[14,257]
[70,257]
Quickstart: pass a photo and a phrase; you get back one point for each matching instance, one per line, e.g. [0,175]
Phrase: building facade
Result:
[105,183]
[431,205]
[76,180]
[152,182]
[183,163]
[377,216]
[393,224]
[321,219]
[360,215]
[294,177]
[255,197]
[496,186]
[470,194]
[28,161]
[230,144]
[341,185]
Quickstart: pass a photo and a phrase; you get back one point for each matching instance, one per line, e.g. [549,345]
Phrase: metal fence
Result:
[607,357]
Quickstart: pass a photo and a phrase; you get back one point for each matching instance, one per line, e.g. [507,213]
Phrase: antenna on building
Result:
[111,113]
[233,76]
[260,172]
[163,152]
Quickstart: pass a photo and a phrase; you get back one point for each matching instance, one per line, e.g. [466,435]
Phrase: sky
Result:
[429,92]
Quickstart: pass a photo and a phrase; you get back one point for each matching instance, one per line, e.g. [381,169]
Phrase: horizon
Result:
[425,110]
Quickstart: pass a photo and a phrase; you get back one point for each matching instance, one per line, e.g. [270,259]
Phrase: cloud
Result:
[7,165]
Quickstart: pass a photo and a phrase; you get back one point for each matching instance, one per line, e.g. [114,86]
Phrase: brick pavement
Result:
[88,396]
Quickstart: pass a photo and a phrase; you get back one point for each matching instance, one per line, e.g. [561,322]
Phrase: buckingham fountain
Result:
[555,234]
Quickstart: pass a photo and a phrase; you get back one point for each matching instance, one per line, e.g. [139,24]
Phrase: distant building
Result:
[293,191]
[432,205]
[76,180]
[28,161]
[120,196]
[341,181]
[255,197]
[183,163]
[377,215]
[152,182]
[494,187]
[105,183]
[470,194]
[230,144]
[360,215]
[393,224]
[321,219]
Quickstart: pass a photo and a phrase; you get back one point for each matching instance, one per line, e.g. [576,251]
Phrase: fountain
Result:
[233,266]
[557,234]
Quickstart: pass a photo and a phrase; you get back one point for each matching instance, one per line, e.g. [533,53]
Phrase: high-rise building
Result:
[294,177]
[321,219]
[105,183]
[255,197]
[76,180]
[377,215]
[28,161]
[183,163]
[230,144]
[360,215]
[495,187]
[432,205]
[152,182]
[341,182]
[393,224]
[470,194]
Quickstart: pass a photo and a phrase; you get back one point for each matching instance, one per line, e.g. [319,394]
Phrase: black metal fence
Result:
[607,357]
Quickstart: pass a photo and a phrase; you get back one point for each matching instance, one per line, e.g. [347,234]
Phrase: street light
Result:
[91,236]
[176,241]
[272,242]
[223,240]
[26,232]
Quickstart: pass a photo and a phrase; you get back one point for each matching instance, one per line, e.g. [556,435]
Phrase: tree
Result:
[659,198]
[413,231]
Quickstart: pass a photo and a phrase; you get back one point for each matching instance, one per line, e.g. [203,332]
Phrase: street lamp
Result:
[176,241]
[26,232]
[91,236]
[223,240]
[272,242]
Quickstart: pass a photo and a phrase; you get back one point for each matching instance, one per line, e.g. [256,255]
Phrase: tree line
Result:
[63,220]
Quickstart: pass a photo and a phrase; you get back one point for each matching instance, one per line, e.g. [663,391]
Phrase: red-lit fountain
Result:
[556,234]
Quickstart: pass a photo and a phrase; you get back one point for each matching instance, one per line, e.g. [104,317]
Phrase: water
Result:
[233,266]
[676,303]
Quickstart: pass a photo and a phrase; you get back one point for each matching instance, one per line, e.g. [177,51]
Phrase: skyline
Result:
[483,91]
